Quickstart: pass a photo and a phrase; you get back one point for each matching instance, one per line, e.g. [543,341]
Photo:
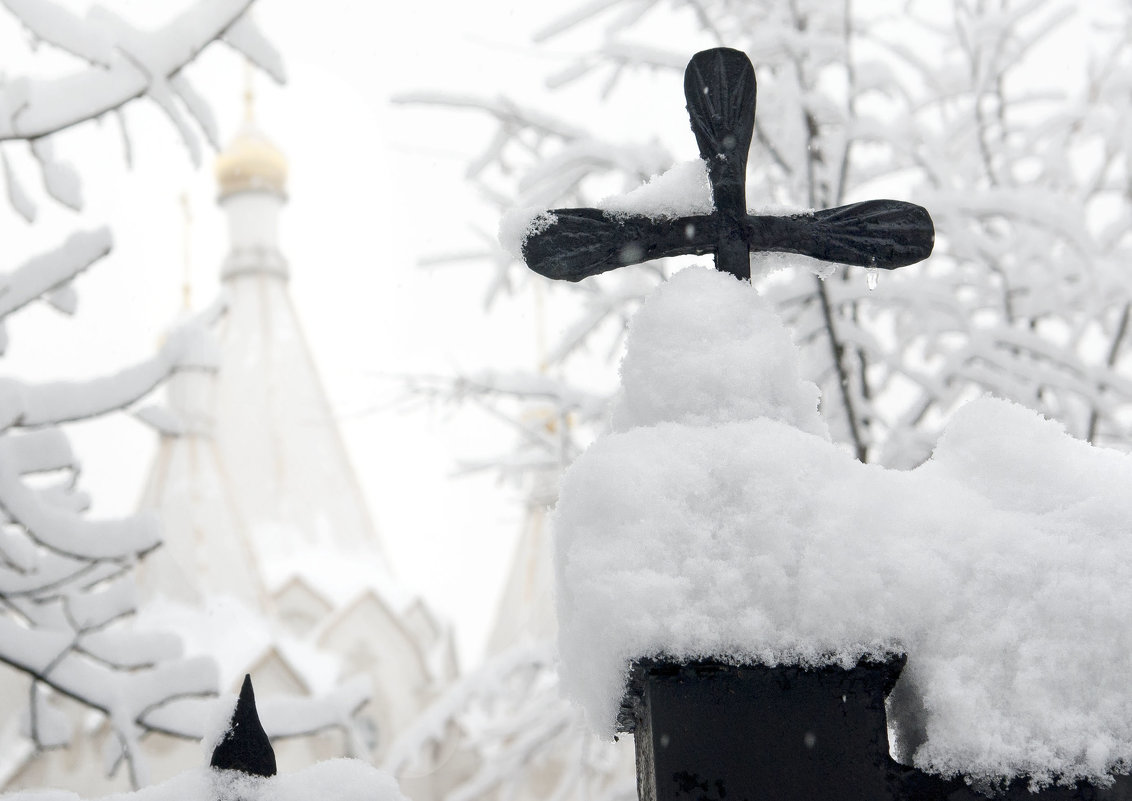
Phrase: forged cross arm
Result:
[876,233]
[582,242]
[579,243]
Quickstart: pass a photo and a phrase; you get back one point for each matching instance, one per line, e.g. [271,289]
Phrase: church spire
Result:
[526,608]
[281,444]
[251,162]
[277,471]
[251,174]
[249,94]
[268,537]
[186,255]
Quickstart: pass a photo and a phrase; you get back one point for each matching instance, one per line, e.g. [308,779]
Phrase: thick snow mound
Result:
[1002,567]
[681,191]
[339,779]
[727,359]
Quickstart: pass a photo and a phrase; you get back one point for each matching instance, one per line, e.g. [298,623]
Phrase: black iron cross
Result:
[719,85]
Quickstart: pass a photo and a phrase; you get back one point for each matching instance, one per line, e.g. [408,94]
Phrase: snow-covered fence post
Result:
[746,723]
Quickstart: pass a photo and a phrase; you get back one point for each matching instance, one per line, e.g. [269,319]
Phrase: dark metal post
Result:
[709,731]
[714,732]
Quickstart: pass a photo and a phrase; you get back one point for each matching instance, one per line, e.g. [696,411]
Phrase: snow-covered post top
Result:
[743,594]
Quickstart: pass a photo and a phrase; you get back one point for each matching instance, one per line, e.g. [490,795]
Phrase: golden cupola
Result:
[251,162]
[252,178]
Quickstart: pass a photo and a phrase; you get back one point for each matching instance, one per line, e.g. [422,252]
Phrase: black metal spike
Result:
[245,746]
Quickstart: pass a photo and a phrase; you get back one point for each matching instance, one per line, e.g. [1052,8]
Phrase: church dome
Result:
[251,163]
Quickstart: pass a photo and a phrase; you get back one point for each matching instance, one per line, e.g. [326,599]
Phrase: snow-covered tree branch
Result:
[66,580]
[125,63]
[122,64]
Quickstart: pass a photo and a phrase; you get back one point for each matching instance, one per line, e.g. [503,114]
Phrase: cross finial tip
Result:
[249,92]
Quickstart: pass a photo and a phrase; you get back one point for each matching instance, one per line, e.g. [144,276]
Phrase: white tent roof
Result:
[260,488]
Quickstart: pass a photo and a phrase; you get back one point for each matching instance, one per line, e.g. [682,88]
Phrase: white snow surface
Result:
[518,225]
[717,519]
[680,191]
[340,779]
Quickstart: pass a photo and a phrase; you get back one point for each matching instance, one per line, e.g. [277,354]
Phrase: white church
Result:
[271,561]
[269,547]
